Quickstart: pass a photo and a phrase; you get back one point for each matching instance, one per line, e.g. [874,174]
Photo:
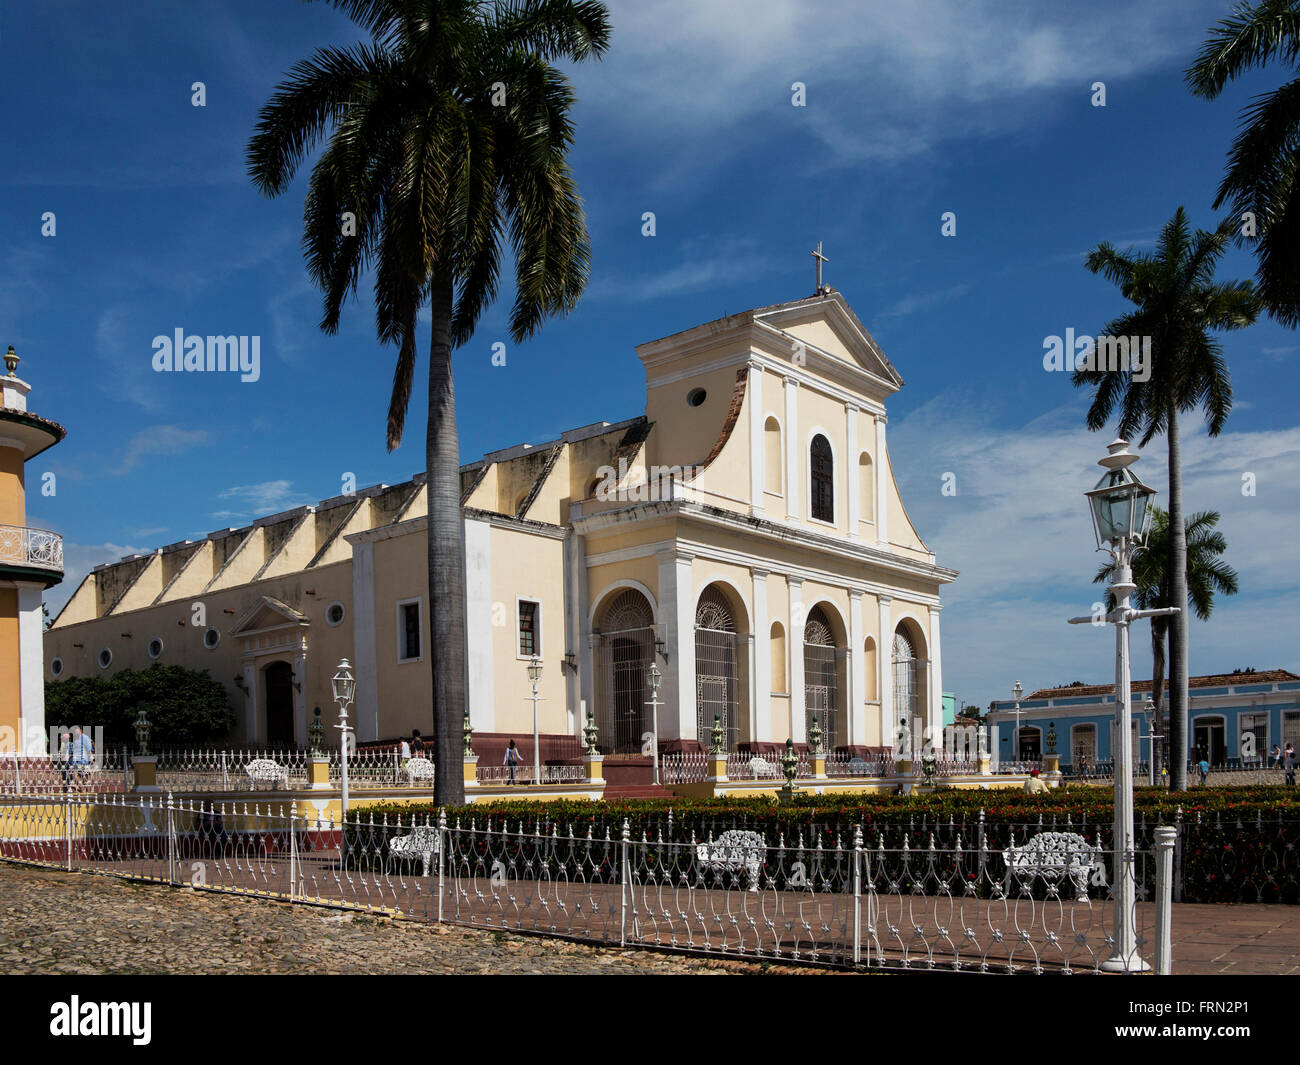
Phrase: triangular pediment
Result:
[267,612]
[828,327]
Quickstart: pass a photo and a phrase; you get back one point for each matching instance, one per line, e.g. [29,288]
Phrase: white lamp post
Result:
[1016,693]
[345,689]
[535,675]
[655,678]
[1121,515]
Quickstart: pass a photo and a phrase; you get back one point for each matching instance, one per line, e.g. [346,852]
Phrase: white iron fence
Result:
[1033,907]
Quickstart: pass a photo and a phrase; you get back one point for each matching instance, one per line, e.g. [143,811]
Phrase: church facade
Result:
[745,535]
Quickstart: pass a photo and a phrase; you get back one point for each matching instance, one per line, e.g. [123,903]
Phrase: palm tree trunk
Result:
[446,532]
[1178,745]
[1157,696]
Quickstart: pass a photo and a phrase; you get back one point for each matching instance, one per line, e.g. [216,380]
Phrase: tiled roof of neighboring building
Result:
[1212,680]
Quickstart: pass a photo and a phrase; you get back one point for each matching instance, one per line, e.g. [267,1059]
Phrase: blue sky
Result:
[983,109]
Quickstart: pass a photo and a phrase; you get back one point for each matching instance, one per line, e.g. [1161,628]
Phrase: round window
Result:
[211,637]
[695,397]
[335,613]
[105,657]
[155,647]
[56,667]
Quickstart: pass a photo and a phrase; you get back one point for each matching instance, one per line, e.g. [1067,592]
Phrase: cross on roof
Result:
[820,259]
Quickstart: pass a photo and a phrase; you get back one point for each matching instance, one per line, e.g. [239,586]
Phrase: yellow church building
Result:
[31,560]
[745,534]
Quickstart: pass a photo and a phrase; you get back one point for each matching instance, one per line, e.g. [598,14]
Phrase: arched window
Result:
[717,678]
[1083,748]
[821,677]
[869,669]
[622,656]
[866,488]
[772,460]
[905,702]
[777,652]
[822,482]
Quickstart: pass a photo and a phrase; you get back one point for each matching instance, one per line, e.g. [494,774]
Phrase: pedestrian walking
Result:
[1204,767]
[1288,763]
[405,753]
[417,744]
[1276,757]
[512,759]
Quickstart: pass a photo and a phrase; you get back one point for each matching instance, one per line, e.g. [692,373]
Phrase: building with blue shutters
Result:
[1235,719]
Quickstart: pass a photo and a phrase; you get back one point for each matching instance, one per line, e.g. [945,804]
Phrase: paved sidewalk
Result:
[77,923]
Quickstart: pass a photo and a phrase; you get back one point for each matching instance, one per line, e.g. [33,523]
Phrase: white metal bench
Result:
[423,843]
[732,851]
[264,770]
[1054,856]
[762,768]
[418,769]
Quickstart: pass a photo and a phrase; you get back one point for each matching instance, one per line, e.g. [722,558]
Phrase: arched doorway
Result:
[623,655]
[822,678]
[720,668]
[279,704]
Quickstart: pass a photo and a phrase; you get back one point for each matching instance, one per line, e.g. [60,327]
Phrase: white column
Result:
[936,676]
[585,645]
[854,489]
[761,696]
[794,640]
[857,670]
[364,648]
[793,465]
[575,569]
[677,616]
[754,397]
[879,469]
[31,663]
[885,668]
[478,623]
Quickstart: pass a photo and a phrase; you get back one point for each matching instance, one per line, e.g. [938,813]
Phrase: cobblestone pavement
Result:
[73,923]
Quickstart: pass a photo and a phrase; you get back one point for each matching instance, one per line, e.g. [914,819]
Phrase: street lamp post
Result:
[345,688]
[1016,693]
[655,678]
[535,675]
[1121,508]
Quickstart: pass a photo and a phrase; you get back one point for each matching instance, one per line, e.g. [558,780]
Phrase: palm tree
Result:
[448,133]
[1207,573]
[1177,305]
[1262,166]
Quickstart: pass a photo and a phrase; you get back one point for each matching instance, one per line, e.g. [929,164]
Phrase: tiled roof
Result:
[1213,680]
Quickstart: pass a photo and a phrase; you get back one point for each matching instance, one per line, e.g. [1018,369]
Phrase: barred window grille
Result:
[821,674]
[623,657]
[1083,746]
[717,655]
[907,703]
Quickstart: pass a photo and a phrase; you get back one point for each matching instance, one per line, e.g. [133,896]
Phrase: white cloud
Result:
[258,500]
[885,81]
[1018,530]
[705,263]
[160,440]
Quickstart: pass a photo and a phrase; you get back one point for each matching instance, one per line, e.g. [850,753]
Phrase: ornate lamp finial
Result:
[11,361]
[469,735]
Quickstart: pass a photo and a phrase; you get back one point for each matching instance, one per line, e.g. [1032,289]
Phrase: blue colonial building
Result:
[1235,719]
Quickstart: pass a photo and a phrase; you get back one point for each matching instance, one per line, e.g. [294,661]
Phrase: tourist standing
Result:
[1204,767]
[417,744]
[512,759]
[1288,763]
[81,751]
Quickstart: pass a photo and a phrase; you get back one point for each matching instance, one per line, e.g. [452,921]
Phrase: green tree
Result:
[184,706]
[1261,177]
[450,133]
[1178,305]
[1207,574]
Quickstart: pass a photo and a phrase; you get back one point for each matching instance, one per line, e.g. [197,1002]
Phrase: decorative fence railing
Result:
[523,774]
[849,901]
[42,775]
[22,546]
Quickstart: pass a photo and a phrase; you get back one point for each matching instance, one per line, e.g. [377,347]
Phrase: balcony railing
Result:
[38,548]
